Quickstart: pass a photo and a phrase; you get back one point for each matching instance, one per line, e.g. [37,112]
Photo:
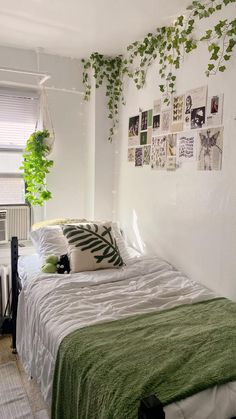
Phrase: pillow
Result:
[57,221]
[91,247]
[49,241]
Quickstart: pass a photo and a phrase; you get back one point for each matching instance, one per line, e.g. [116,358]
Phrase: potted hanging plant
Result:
[36,166]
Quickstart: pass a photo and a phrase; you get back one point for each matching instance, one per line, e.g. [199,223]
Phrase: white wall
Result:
[188,216]
[69,114]
[81,179]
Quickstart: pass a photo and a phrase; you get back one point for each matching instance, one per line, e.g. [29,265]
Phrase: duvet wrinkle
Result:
[64,303]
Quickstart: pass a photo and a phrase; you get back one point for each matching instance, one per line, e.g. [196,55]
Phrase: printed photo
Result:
[171,152]
[134,126]
[165,121]
[210,149]
[194,99]
[214,104]
[146,154]
[144,117]
[198,117]
[157,106]
[131,155]
[215,110]
[149,118]
[138,156]
[158,153]
[143,138]
[188,104]
[186,146]
[156,122]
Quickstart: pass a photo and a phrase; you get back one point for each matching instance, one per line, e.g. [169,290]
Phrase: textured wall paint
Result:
[187,217]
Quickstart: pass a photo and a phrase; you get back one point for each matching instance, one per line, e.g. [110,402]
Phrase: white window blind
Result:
[18,116]
[19,113]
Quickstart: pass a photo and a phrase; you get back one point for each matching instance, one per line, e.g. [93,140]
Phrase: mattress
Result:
[52,306]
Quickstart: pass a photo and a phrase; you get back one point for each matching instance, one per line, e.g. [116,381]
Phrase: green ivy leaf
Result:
[222,68]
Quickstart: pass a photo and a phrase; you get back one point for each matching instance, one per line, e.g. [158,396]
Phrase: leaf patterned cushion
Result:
[91,247]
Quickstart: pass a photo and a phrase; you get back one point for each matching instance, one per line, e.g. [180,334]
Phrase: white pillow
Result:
[49,241]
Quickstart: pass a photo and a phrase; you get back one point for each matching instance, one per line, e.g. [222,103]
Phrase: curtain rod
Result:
[32,86]
[44,76]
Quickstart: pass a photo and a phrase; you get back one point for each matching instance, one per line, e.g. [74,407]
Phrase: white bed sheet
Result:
[52,306]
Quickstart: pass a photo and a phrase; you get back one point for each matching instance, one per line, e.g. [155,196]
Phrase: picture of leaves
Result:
[146,154]
[143,138]
[131,154]
[139,156]
[165,121]
[158,152]
[101,245]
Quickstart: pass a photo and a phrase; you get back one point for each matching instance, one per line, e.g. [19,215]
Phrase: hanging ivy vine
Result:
[167,45]
[35,167]
[110,70]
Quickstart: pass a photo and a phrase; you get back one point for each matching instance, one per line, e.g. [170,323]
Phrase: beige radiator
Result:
[4,289]
[18,221]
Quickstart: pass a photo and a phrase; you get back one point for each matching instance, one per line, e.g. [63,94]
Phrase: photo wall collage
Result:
[188,129]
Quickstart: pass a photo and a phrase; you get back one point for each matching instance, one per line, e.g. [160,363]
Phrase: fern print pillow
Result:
[91,247]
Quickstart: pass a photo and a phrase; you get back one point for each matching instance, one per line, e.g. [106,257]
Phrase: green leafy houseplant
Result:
[167,46]
[35,168]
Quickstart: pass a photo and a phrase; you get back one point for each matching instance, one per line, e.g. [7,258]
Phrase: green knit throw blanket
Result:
[103,371]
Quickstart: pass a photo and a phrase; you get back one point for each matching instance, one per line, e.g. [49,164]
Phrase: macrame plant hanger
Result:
[44,120]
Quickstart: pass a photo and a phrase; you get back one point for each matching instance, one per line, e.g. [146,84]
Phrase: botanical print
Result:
[186,146]
[177,113]
[139,156]
[171,152]
[210,149]
[143,138]
[194,99]
[133,131]
[144,121]
[158,152]
[131,154]
[166,102]
[198,117]
[165,121]
[149,118]
[146,154]
[215,110]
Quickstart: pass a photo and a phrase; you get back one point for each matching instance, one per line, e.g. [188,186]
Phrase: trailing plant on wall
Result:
[110,70]
[167,45]
[36,166]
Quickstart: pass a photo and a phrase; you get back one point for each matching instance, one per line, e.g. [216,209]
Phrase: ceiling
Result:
[76,28]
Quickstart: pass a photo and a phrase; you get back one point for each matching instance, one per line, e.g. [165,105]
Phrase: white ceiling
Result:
[78,27]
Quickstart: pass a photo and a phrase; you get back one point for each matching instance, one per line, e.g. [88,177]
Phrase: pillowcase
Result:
[49,241]
[91,247]
[57,221]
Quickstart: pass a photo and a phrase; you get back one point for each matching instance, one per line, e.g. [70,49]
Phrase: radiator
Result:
[4,289]
[18,221]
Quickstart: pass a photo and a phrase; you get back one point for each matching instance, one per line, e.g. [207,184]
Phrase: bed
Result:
[53,307]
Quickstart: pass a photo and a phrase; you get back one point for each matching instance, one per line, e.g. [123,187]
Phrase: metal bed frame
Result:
[150,407]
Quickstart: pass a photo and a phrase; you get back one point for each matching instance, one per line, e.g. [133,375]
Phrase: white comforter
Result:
[52,306]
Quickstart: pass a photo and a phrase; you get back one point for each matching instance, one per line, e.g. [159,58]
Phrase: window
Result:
[18,116]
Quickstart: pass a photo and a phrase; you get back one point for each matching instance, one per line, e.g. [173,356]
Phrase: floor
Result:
[31,388]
